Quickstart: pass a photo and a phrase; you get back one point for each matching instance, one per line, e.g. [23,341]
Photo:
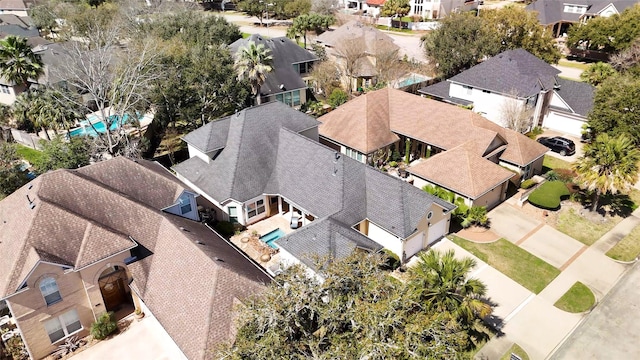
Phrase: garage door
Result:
[437,231]
[413,245]
[564,124]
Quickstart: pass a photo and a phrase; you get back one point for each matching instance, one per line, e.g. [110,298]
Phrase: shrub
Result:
[533,134]
[565,175]
[393,164]
[549,195]
[392,261]
[337,98]
[528,184]
[395,155]
[15,348]
[477,215]
[551,175]
[104,326]
[225,228]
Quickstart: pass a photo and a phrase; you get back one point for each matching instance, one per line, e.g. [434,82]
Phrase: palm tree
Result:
[608,165]
[18,63]
[440,283]
[253,63]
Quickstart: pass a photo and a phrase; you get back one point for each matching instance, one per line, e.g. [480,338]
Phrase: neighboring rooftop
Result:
[12,5]
[513,72]
[285,53]
[552,11]
[372,38]
[11,24]
[75,218]
[577,95]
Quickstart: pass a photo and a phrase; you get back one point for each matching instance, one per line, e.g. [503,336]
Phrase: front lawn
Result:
[573,64]
[577,299]
[550,163]
[28,154]
[523,267]
[581,228]
[515,349]
[549,195]
[385,27]
[628,248]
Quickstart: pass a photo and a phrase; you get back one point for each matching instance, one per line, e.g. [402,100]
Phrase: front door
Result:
[112,289]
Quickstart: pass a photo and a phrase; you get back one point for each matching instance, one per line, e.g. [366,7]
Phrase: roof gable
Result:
[513,72]
[577,95]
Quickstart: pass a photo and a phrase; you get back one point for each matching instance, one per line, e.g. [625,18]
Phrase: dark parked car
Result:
[561,145]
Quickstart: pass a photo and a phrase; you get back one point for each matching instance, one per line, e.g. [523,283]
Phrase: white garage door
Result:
[413,245]
[437,231]
[564,124]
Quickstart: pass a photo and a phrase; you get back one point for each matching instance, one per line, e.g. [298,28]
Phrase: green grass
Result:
[245,35]
[549,195]
[385,27]
[515,349]
[551,163]
[29,154]
[523,267]
[572,64]
[628,248]
[583,229]
[577,299]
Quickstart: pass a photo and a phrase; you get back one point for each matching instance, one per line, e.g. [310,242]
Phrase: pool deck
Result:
[255,249]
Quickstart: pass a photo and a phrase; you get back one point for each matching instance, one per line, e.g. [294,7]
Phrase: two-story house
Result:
[287,82]
[266,162]
[113,236]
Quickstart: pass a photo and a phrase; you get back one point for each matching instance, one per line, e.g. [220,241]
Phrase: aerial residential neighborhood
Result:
[388,179]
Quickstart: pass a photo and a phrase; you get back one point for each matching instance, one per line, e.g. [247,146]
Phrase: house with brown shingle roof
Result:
[113,236]
[449,146]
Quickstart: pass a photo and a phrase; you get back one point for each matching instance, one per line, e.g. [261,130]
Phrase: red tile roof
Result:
[375,2]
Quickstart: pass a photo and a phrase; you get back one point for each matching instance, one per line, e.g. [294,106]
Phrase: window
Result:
[301,68]
[255,208]
[296,98]
[185,204]
[291,98]
[429,215]
[417,9]
[49,290]
[468,88]
[62,326]
[233,214]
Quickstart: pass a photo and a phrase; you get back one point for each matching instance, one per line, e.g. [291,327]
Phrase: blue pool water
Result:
[272,236]
[411,80]
[85,129]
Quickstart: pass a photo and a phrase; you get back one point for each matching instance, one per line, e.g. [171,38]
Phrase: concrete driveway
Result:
[144,339]
[510,223]
[552,246]
[612,330]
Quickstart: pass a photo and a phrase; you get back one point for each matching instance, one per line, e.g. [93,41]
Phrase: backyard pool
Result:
[85,129]
[272,236]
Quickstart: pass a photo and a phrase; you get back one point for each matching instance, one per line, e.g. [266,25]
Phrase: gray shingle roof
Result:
[578,95]
[441,91]
[552,11]
[325,239]
[285,53]
[314,177]
[250,152]
[513,71]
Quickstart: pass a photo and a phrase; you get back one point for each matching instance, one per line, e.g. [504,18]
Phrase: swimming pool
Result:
[86,129]
[272,236]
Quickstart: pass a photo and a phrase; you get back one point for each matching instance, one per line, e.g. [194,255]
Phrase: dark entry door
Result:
[112,289]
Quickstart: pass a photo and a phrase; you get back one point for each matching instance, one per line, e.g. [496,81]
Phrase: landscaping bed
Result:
[523,267]
[628,248]
[577,299]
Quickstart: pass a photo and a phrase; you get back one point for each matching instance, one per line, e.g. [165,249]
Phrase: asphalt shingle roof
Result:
[441,91]
[513,72]
[577,95]
[285,53]
[552,11]
[85,215]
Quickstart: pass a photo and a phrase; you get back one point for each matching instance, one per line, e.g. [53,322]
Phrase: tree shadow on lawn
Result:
[610,204]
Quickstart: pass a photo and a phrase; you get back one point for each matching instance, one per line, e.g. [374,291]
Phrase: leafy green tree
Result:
[309,22]
[11,175]
[43,17]
[61,154]
[18,63]
[608,34]
[514,27]
[337,98]
[193,28]
[459,43]
[628,60]
[597,73]
[297,7]
[255,8]
[395,8]
[253,63]
[440,283]
[609,165]
[616,108]
[357,312]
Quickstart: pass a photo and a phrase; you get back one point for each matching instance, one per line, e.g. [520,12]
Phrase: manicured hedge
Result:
[549,194]
[527,184]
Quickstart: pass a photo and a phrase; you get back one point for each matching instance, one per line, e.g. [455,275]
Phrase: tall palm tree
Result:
[18,63]
[440,282]
[253,63]
[608,165]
